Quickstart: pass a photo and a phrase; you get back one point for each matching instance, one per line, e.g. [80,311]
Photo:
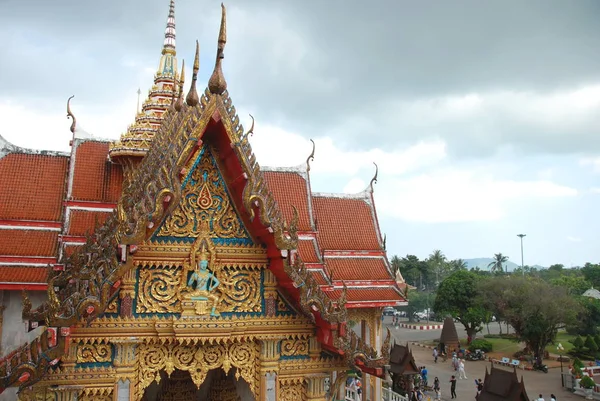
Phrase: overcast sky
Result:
[484,117]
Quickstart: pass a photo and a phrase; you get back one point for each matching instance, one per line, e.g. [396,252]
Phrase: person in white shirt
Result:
[552,397]
[541,398]
[461,369]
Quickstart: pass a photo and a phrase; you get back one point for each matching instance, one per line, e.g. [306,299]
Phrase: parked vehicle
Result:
[540,367]
[477,355]
[389,311]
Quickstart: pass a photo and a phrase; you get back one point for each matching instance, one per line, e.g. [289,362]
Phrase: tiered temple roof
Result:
[50,201]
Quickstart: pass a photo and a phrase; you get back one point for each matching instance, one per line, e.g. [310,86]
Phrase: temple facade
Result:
[169,265]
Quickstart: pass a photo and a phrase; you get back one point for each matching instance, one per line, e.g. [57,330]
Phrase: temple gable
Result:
[205,198]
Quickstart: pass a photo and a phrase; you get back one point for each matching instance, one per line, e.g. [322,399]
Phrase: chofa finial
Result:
[216,83]
[374,179]
[179,102]
[310,157]
[70,115]
[192,98]
[250,131]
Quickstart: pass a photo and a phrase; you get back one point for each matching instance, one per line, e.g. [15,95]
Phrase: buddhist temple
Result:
[500,384]
[170,265]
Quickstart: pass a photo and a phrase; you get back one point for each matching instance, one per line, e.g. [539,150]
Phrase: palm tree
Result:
[436,260]
[458,264]
[498,264]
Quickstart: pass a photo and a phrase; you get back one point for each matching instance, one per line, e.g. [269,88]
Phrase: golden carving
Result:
[112,307]
[198,361]
[294,347]
[204,199]
[292,390]
[87,353]
[159,290]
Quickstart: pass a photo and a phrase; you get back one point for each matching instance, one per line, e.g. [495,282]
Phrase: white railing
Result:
[386,395]
[389,395]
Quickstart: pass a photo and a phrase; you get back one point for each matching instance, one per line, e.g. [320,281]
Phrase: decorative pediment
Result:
[206,200]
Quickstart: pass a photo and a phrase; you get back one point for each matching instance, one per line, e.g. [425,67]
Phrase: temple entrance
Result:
[218,386]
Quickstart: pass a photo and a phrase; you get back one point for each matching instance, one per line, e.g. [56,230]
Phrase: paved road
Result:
[535,382]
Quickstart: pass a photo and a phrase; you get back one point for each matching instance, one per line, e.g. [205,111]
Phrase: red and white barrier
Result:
[422,327]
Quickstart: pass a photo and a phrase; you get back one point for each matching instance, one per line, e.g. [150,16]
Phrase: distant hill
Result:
[483,264]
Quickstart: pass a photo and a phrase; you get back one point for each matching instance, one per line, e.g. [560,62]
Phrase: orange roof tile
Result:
[307,251]
[32,186]
[290,189]
[82,222]
[70,249]
[358,268]
[319,277]
[28,243]
[372,294]
[345,224]
[20,274]
[95,178]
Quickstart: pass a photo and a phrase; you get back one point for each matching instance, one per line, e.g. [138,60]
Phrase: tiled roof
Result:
[32,186]
[306,249]
[95,178]
[28,243]
[345,224]
[368,294]
[70,249]
[358,268]
[289,189]
[319,277]
[20,274]
[82,222]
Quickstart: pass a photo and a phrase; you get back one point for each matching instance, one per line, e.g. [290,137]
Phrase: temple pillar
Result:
[315,389]
[365,377]
[314,347]
[377,343]
[127,293]
[269,368]
[124,363]
[67,393]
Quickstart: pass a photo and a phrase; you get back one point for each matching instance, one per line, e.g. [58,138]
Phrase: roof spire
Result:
[310,157]
[192,98]
[179,103]
[169,43]
[374,179]
[70,115]
[216,83]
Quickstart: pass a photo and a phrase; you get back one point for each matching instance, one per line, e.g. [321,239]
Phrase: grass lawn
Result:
[563,338]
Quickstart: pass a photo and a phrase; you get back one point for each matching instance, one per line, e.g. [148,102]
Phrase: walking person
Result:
[435,355]
[461,369]
[541,398]
[453,387]
[479,385]
[552,397]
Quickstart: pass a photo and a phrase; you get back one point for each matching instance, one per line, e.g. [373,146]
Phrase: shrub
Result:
[587,382]
[481,344]
[591,344]
[577,363]
[578,343]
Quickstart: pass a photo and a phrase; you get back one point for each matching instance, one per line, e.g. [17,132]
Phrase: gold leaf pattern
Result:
[204,198]
[198,361]
[87,353]
[159,288]
[294,347]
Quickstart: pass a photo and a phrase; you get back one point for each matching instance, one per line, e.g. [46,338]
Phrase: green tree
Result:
[498,264]
[395,264]
[457,264]
[591,344]
[417,301]
[575,285]
[578,343]
[533,307]
[457,296]
[591,272]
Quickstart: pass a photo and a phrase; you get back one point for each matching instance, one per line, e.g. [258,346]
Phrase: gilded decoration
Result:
[89,353]
[202,286]
[198,361]
[292,389]
[294,347]
[204,199]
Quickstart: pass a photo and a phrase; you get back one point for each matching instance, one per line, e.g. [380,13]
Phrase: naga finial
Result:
[250,131]
[217,84]
[179,102]
[310,157]
[374,179]
[70,115]
[192,98]
[384,242]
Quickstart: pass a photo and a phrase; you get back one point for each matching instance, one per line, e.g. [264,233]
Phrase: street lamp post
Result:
[522,265]
[560,350]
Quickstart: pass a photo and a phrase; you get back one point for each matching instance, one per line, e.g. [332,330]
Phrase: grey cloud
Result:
[313,66]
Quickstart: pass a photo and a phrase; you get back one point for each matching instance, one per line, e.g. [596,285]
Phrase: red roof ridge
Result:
[7,147]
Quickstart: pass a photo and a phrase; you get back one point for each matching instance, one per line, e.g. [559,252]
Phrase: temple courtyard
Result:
[535,382]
